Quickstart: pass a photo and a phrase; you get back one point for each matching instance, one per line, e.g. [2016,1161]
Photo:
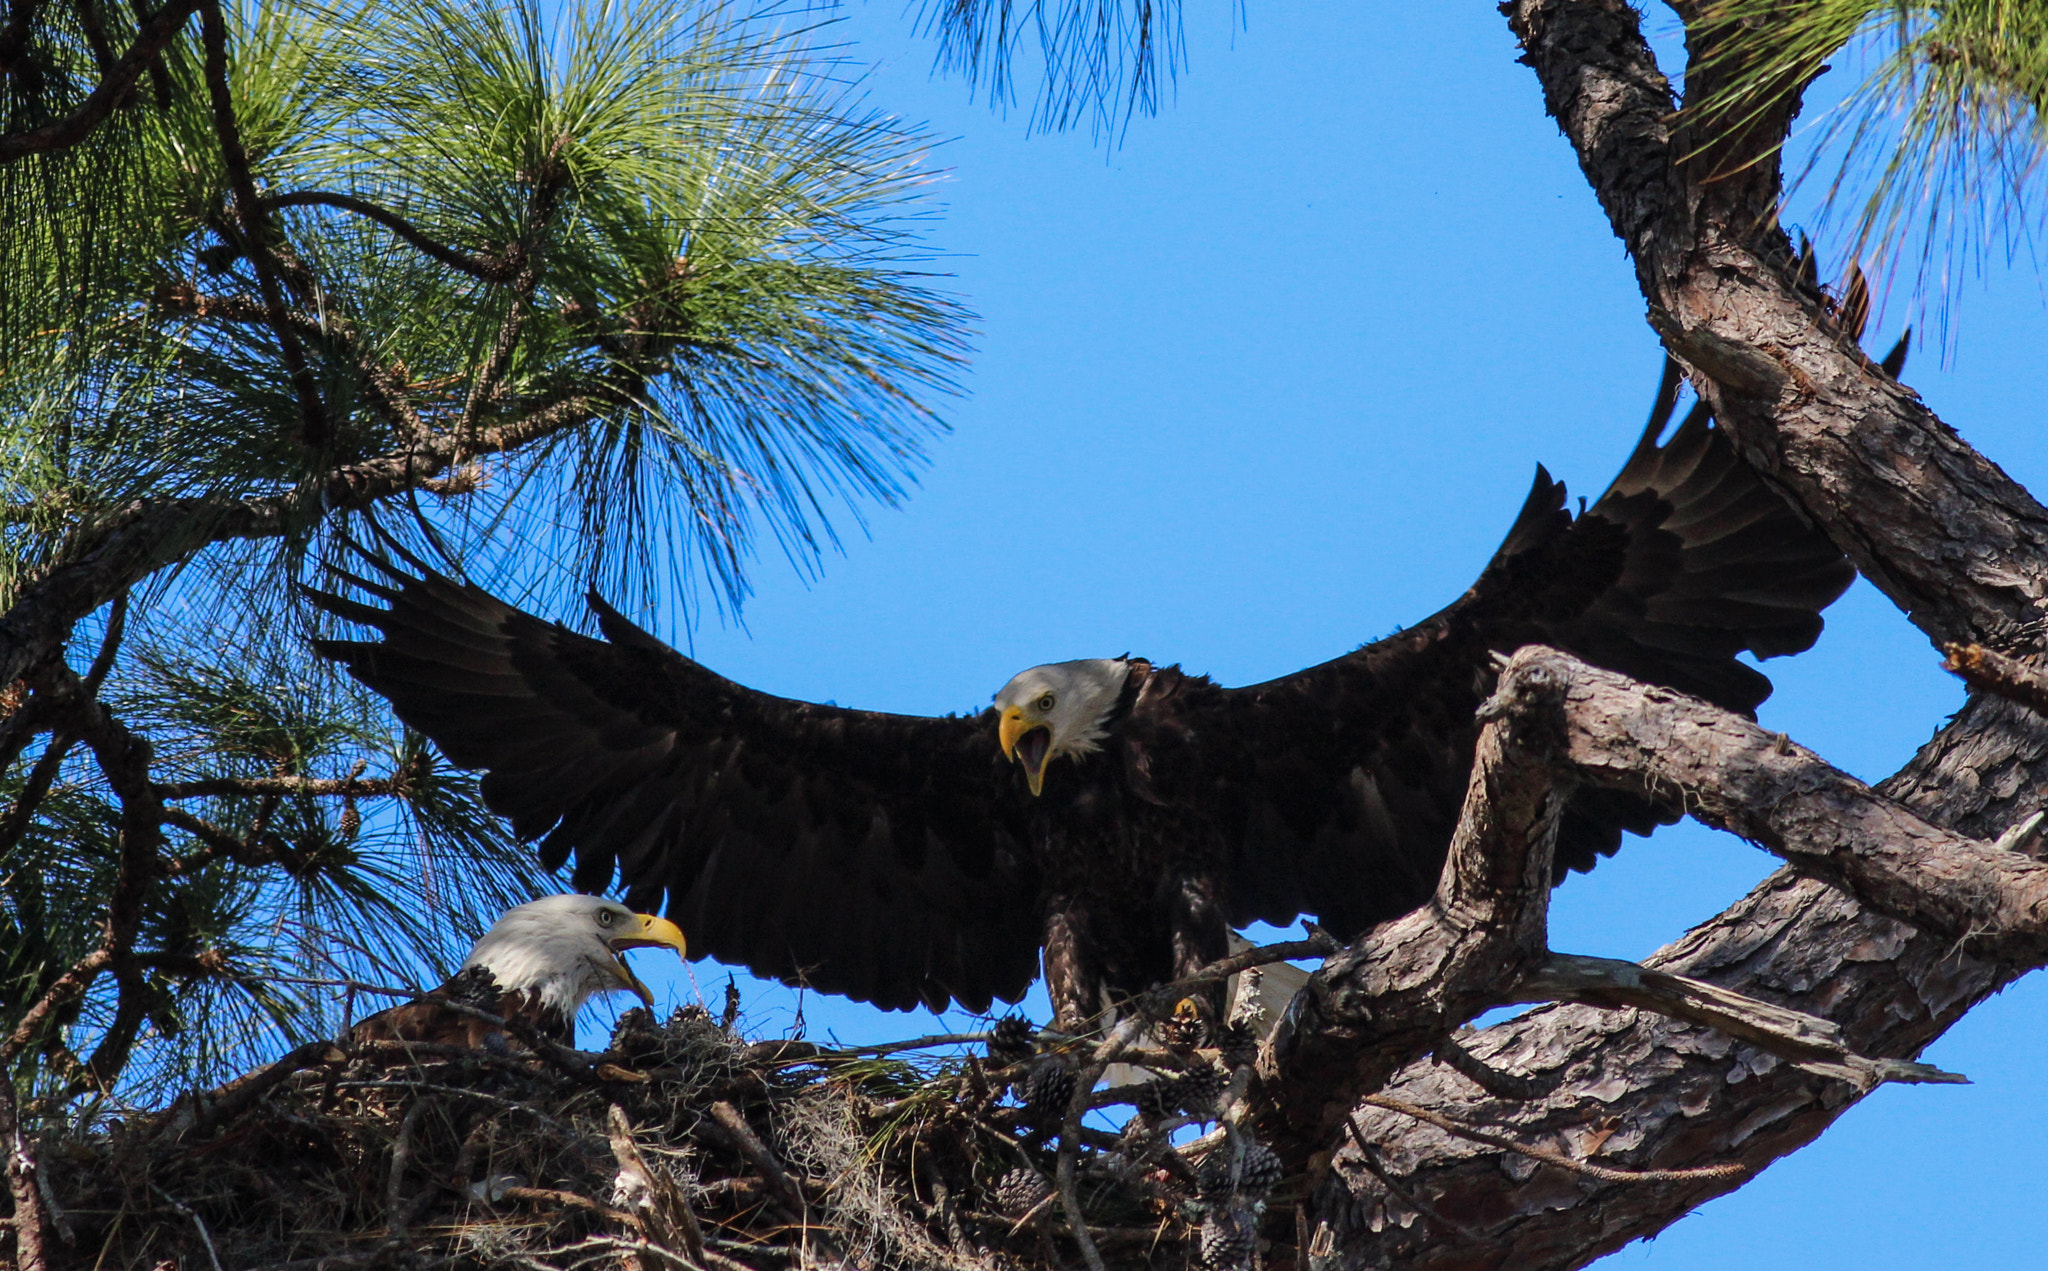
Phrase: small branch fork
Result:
[1397,994]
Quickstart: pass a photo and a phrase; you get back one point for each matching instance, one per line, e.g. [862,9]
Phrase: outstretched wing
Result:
[1355,769]
[877,856]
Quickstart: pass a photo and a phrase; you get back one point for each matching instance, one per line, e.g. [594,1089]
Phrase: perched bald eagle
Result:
[904,860]
[536,967]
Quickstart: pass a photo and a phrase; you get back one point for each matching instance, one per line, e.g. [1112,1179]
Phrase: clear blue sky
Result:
[1268,380]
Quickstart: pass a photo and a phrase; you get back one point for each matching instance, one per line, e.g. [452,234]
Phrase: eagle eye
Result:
[606,917]
[1045,703]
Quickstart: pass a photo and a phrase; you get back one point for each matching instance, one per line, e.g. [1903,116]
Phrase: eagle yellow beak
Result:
[646,931]
[1027,742]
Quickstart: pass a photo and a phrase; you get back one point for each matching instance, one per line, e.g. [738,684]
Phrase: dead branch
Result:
[317,787]
[1809,1042]
[28,1226]
[1989,671]
[1727,772]
[1501,1085]
[744,1141]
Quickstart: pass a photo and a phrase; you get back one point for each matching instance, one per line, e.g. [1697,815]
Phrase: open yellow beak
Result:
[1027,742]
[646,931]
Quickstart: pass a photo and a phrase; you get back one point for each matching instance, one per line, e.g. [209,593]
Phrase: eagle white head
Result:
[1061,708]
[562,950]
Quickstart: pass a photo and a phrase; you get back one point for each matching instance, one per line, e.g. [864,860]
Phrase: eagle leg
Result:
[1071,978]
[1200,935]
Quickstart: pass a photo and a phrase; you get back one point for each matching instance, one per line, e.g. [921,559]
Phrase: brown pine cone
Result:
[1196,1090]
[1239,1044]
[1021,1190]
[1252,1174]
[1010,1041]
[1189,1027]
[1046,1092]
[1226,1239]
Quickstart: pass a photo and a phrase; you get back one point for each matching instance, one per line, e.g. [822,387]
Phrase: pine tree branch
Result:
[124,760]
[1784,377]
[133,542]
[1391,997]
[1809,1042]
[256,230]
[503,267]
[318,787]
[21,19]
[28,1224]
[1729,773]
[155,35]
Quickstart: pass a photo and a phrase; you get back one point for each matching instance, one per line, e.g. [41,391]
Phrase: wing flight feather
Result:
[877,856]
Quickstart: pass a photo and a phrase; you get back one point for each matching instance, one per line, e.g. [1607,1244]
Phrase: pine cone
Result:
[1046,1092]
[1195,1091]
[1156,1099]
[1021,1190]
[1226,1240]
[1256,1170]
[1239,1044]
[1010,1041]
[1189,1027]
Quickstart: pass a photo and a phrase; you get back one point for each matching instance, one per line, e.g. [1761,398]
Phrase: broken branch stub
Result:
[1394,994]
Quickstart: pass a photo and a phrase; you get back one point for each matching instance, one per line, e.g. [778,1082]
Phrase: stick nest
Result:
[680,1147]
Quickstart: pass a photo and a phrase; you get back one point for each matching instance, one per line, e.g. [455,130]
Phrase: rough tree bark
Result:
[1943,532]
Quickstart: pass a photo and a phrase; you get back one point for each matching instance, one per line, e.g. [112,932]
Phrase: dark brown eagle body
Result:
[903,860]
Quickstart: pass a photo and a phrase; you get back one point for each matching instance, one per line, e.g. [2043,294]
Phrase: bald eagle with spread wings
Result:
[1120,814]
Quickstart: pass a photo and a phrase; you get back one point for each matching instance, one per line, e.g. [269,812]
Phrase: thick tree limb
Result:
[1662,1093]
[1390,997]
[27,1223]
[1729,773]
[1957,544]
[1940,529]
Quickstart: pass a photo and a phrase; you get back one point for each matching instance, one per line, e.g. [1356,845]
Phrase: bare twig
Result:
[320,787]
[1605,1173]
[1501,1085]
[1319,945]
[485,268]
[185,1211]
[396,1211]
[1369,1156]
[742,1138]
